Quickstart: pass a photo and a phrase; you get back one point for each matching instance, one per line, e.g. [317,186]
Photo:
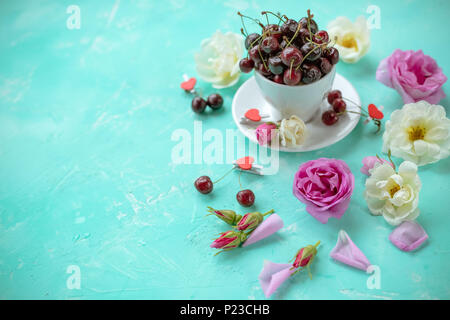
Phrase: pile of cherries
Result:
[214,101]
[338,108]
[289,52]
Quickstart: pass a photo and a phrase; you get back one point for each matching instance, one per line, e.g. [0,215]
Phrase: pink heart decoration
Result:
[374,112]
[188,85]
[253,115]
[245,163]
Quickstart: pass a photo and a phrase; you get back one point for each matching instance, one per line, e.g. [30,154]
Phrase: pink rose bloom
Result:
[264,133]
[325,186]
[369,163]
[414,75]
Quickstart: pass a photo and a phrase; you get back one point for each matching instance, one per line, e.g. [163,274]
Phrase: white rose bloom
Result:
[218,60]
[353,39]
[393,195]
[419,132]
[292,131]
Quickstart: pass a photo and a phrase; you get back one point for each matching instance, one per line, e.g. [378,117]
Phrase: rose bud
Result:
[265,132]
[229,216]
[305,257]
[251,220]
[228,241]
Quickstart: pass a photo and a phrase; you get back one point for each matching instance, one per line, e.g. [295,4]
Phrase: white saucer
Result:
[319,135]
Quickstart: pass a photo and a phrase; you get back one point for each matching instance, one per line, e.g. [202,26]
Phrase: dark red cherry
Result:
[289,28]
[310,51]
[203,184]
[246,65]
[278,78]
[339,105]
[332,54]
[311,73]
[334,94]
[198,105]
[254,54]
[246,198]
[215,101]
[304,24]
[292,77]
[263,70]
[303,37]
[276,66]
[291,55]
[325,65]
[251,40]
[270,44]
[329,117]
[321,37]
[273,30]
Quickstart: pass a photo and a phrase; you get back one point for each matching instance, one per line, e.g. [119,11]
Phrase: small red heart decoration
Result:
[188,85]
[253,115]
[245,163]
[374,112]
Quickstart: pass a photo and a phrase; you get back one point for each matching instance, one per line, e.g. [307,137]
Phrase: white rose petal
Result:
[218,60]
[419,132]
[352,39]
[292,131]
[394,195]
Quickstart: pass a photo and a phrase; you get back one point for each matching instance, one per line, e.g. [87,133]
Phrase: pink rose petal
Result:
[269,226]
[273,275]
[347,252]
[408,236]
[369,162]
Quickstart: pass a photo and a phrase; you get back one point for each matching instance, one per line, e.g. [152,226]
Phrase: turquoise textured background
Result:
[86,178]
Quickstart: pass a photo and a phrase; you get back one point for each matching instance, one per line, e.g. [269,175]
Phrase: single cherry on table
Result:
[245,197]
[204,184]
[215,101]
[198,104]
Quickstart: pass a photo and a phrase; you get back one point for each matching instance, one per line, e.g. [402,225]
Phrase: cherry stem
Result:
[364,111]
[378,124]
[224,175]
[255,41]
[243,24]
[267,17]
[341,113]
[293,37]
[390,159]
[309,23]
[306,55]
[252,19]
[268,212]
[260,54]
[290,69]
[274,14]
[239,179]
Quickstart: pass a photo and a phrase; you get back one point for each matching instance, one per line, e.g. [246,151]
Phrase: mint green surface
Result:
[86,179]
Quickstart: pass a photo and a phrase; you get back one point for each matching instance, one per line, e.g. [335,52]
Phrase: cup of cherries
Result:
[294,62]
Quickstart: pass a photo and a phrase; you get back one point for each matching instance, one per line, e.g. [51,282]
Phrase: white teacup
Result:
[302,100]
